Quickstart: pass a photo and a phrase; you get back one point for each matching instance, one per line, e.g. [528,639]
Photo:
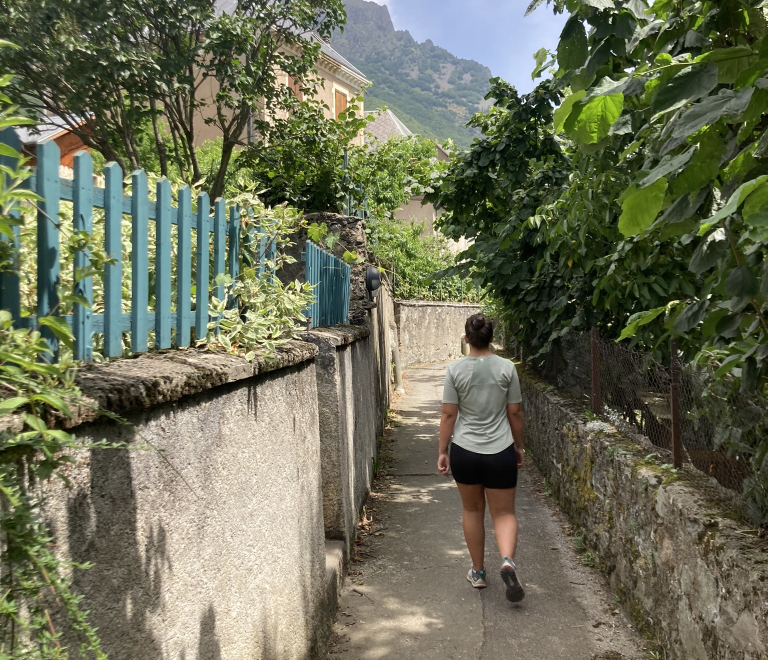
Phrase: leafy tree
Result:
[124,66]
[628,192]
[415,262]
[391,172]
[300,161]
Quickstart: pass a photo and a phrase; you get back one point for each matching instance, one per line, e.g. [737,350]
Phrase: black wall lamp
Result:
[372,282]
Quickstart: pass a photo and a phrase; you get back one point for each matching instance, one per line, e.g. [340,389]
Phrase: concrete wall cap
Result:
[339,335]
[436,303]
[132,384]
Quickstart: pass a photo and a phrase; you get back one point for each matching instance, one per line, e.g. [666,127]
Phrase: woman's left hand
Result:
[444,464]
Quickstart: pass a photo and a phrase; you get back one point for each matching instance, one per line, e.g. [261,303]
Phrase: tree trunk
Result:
[226,156]
[162,150]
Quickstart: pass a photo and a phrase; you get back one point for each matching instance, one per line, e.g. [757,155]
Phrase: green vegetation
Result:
[388,174]
[414,262]
[300,161]
[32,391]
[125,69]
[640,204]
[432,91]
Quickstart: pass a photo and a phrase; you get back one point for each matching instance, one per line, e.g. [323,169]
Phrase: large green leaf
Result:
[668,165]
[637,320]
[709,252]
[565,109]
[741,283]
[755,210]
[691,316]
[733,203]
[591,122]
[542,60]
[730,62]
[640,207]
[573,49]
[761,150]
[59,327]
[704,167]
[713,108]
[689,85]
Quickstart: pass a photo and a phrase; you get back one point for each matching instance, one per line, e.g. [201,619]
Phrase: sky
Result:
[495,33]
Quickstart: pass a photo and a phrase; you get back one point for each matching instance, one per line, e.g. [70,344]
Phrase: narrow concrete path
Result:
[410,598]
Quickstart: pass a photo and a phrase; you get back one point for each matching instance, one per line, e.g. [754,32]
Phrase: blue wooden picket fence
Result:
[189,323]
[332,279]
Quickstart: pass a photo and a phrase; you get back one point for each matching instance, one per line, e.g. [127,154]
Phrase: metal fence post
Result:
[596,398]
[677,440]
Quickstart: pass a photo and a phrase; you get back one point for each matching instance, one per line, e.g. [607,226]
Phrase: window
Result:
[341,103]
[295,86]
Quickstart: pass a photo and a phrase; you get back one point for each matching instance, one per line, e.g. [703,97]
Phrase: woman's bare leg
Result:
[502,506]
[473,499]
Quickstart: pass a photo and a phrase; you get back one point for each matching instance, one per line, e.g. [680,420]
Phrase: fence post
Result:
[83,221]
[677,440]
[48,266]
[596,398]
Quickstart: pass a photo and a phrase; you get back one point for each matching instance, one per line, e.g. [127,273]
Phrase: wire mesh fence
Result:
[681,409]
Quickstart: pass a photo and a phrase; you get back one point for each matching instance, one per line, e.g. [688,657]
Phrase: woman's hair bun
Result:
[479,330]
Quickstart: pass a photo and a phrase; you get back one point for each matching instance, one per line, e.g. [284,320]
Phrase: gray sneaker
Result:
[515,591]
[476,578]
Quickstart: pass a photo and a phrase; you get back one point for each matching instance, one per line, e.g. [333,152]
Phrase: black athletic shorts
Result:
[490,470]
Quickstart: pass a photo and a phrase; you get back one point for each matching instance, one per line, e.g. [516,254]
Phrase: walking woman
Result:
[483,421]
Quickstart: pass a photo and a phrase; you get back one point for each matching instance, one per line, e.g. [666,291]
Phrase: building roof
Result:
[386,126]
[47,129]
[328,50]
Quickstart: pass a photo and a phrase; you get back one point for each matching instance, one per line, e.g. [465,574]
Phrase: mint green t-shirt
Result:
[482,386]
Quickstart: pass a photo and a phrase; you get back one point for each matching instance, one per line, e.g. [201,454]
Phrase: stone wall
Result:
[222,533]
[348,414]
[675,555]
[208,535]
[351,233]
[431,331]
[384,336]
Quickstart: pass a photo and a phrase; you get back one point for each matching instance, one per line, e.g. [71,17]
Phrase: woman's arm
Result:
[517,424]
[447,423]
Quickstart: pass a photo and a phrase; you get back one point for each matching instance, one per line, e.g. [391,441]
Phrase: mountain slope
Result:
[432,91]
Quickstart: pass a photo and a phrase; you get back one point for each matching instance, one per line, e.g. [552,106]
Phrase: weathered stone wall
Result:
[675,555]
[384,336]
[231,516]
[210,538]
[348,414]
[351,233]
[431,331]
